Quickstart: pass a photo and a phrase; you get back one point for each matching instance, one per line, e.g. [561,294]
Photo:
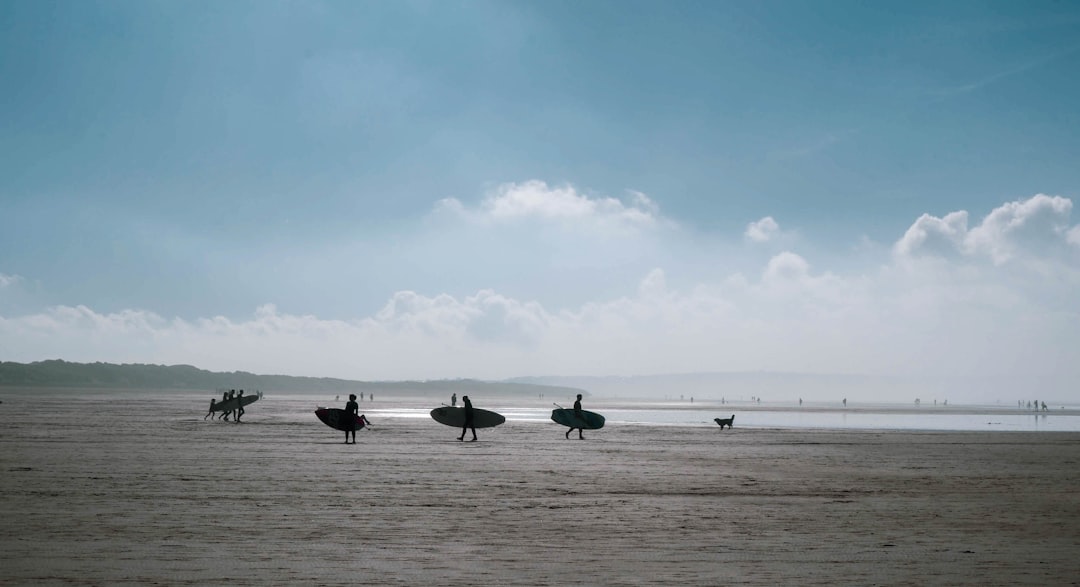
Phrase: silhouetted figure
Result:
[845,402]
[468,418]
[213,403]
[800,401]
[580,416]
[225,397]
[729,422]
[353,409]
[240,409]
[232,394]
[453,400]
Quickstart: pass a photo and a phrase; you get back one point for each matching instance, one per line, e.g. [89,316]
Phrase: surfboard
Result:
[456,417]
[566,417]
[339,419]
[235,403]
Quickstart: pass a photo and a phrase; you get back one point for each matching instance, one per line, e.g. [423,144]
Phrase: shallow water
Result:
[795,419]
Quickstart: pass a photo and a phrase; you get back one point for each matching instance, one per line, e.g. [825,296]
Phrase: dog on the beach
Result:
[729,422]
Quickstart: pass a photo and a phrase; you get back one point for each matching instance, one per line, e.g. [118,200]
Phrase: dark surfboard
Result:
[235,403]
[566,417]
[339,419]
[456,417]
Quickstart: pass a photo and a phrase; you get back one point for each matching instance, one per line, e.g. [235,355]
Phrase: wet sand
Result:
[141,490]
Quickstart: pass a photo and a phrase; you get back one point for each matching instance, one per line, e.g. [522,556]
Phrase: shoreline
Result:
[628,402]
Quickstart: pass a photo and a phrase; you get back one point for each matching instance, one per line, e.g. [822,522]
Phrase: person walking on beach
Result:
[580,417]
[232,412]
[213,402]
[351,409]
[453,400]
[226,396]
[468,418]
[240,407]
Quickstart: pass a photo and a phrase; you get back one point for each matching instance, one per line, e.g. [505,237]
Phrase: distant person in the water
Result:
[351,409]
[453,400]
[580,416]
[240,408]
[468,418]
[213,403]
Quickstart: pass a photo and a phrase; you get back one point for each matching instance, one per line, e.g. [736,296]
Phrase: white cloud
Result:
[762,230]
[1036,221]
[786,266]
[536,200]
[1036,225]
[1073,236]
[8,280]
[933,235]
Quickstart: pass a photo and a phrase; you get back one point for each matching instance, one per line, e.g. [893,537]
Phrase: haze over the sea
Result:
[427,190]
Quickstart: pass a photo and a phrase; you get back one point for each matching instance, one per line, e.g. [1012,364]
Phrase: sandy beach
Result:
[139,489]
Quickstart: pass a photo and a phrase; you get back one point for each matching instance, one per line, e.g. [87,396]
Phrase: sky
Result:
[421,190]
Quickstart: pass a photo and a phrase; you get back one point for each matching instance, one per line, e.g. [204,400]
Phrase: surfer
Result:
[468,419]
[213,402]
[580,418]
[224,398]
[240,408]
[352,408]
[453,400]
[232,393]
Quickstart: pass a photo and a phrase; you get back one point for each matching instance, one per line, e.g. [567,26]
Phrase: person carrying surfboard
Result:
[240,407]
[468,418]
[580,417]
[225,396]
[353,409]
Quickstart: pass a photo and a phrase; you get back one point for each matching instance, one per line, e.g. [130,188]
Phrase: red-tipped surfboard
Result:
[456,417]
[339,419]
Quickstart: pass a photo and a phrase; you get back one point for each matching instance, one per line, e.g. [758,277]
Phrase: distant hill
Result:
[59,373]
[734,386]
[823,387]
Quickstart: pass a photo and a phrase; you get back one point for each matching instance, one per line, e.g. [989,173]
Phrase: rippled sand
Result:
[141,490]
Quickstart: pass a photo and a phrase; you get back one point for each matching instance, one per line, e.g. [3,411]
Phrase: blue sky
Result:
[174,176]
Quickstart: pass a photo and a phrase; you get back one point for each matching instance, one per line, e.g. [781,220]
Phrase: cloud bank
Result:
[997,299]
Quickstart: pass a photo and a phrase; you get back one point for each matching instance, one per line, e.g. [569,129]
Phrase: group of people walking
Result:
[225,414]
[1030,405]
[470,417]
